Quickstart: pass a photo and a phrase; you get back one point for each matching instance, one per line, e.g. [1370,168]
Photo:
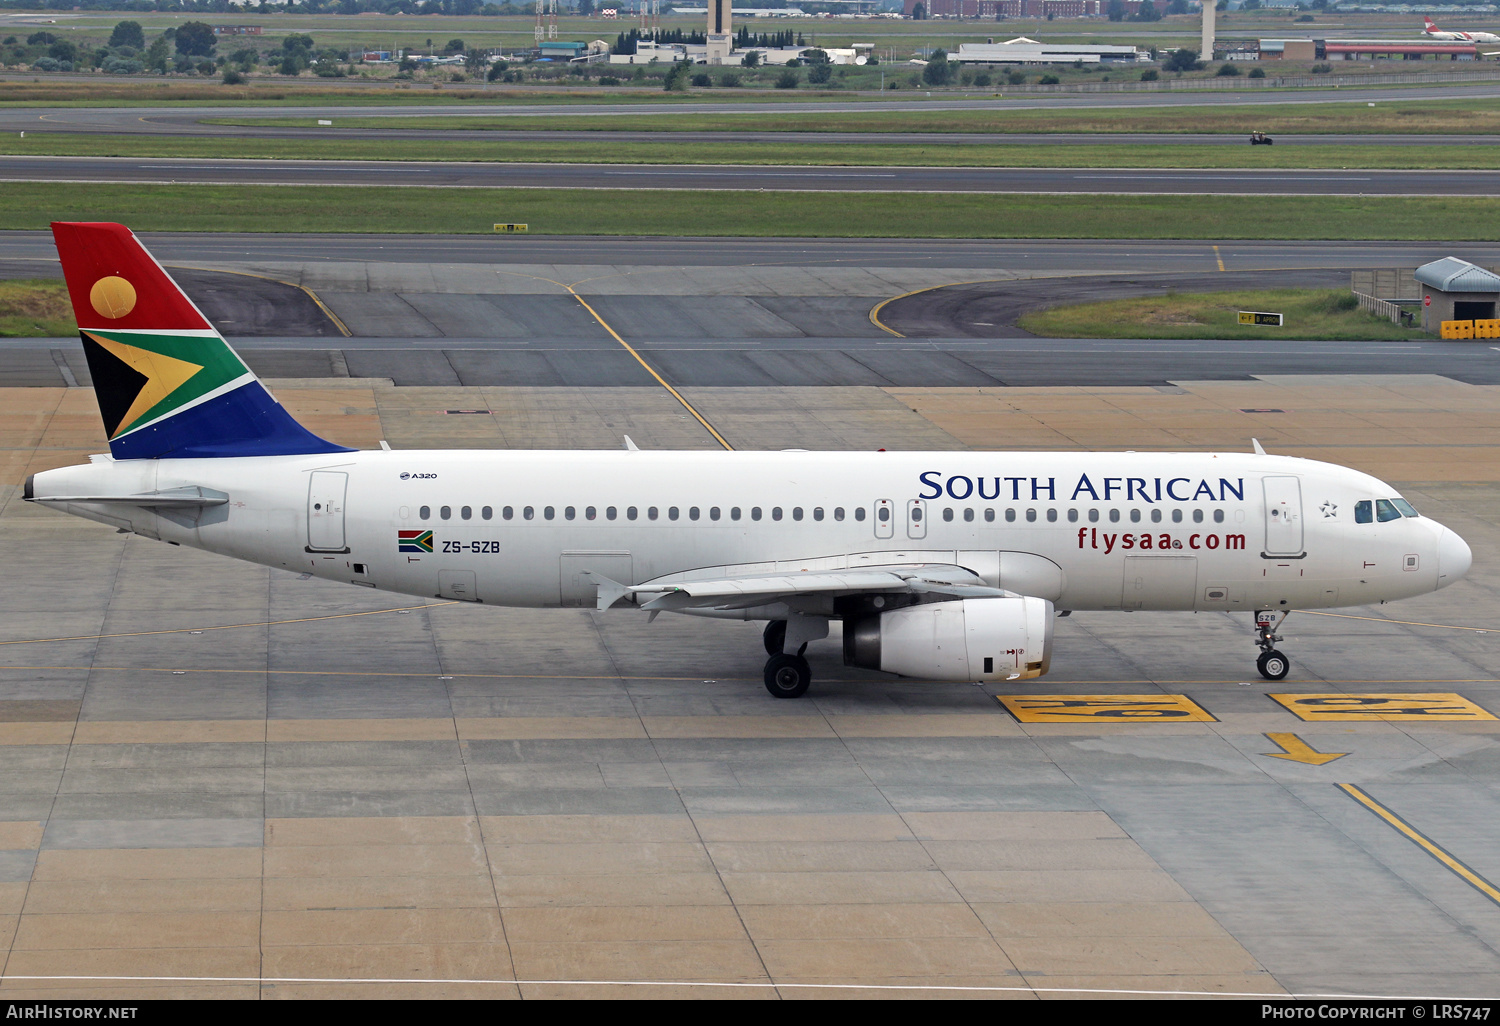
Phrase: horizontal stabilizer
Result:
[172,498]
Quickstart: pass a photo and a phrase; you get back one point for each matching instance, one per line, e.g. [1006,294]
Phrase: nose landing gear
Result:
[1273,665]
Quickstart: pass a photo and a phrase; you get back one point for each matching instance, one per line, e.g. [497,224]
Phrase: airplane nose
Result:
[1454,558]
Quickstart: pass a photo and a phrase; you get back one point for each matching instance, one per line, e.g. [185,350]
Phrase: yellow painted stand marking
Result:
[1104,708]
[1382,708]
[1294,749]
[1431,847]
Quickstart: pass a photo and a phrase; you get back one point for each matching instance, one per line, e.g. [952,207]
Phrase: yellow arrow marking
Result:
[1298,750]
[164,375]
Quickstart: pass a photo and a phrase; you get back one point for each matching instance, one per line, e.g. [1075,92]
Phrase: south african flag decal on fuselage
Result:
[414,541]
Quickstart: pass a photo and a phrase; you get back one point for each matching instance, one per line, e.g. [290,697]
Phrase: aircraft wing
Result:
[744,592]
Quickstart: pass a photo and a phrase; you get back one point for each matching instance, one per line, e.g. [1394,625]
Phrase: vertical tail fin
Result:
[167,383]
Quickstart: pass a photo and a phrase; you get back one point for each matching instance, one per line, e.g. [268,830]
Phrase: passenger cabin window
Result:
[1197,516]
[1218,516]
[734,513]
[488,513]
[1156,516]
[754,512]
[1072,516]
[467,513]
[948,514]
[508,512]
[693,513]
[968,516]
[1364,512]
[885,514]
[796,512]
[859,513]
[591,513]
[1114,516]
[1031,516]
[569,513]
[446,512]
[529,512]
[610,512]
[671,512]
[651,513]
[1385,511]
[631,513]
[713,512]
[1093,516]
[775,512]
[550,512]
[838,513]
[1135,516]
[1052,516]
[1177,516]
[426,512]
[989,516]
[1010,516]
[817,512]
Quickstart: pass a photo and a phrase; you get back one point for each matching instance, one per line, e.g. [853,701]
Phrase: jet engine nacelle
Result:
[976,640]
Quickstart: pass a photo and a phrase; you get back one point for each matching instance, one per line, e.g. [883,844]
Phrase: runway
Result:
[444,174]
[185,120]
[553,255]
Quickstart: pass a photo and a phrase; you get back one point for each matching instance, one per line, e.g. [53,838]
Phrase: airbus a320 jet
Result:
[938,565]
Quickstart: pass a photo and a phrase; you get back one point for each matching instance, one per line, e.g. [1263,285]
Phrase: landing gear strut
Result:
[1272,664]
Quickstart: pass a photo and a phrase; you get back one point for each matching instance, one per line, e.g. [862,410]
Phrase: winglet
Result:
[630,445]
[1258,450]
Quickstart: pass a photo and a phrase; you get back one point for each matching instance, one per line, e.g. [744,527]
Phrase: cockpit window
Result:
[1405,508]
[1364,512]
[1385,511]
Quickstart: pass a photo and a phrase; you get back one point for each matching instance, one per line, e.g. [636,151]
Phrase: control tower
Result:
[720,38]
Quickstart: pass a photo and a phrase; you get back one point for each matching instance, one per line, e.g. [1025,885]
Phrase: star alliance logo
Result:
[1328,509]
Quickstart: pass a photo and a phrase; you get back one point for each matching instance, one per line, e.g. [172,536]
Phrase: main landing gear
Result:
[787,674]
[1273,665]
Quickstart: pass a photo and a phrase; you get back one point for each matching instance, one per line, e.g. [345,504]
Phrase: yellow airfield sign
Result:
[1388,708]
[1104,708]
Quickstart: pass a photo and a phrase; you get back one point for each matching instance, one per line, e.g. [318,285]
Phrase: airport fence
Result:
[1383,308]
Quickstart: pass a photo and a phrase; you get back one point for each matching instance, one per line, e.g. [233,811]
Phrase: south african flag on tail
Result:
[167,383]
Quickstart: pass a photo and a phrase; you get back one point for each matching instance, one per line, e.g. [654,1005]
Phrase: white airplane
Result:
[1430,29]
[940,565]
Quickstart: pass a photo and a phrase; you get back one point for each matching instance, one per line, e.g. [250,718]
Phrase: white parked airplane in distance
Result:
[940,565]
[1431,30]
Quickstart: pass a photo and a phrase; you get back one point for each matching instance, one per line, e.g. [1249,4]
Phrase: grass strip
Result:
[583,151]
[1309,314]
[1426,117]
[35,308]
[341,209]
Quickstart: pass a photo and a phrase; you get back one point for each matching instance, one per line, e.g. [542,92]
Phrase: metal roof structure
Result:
[1451,274]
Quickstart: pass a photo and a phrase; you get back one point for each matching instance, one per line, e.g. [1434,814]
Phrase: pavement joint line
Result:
[1422,841]
[753,984]
[746,984]
[697,678]
[1404,623]
[223,627]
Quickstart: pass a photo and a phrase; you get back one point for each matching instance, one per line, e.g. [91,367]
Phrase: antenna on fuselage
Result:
[1258,450]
